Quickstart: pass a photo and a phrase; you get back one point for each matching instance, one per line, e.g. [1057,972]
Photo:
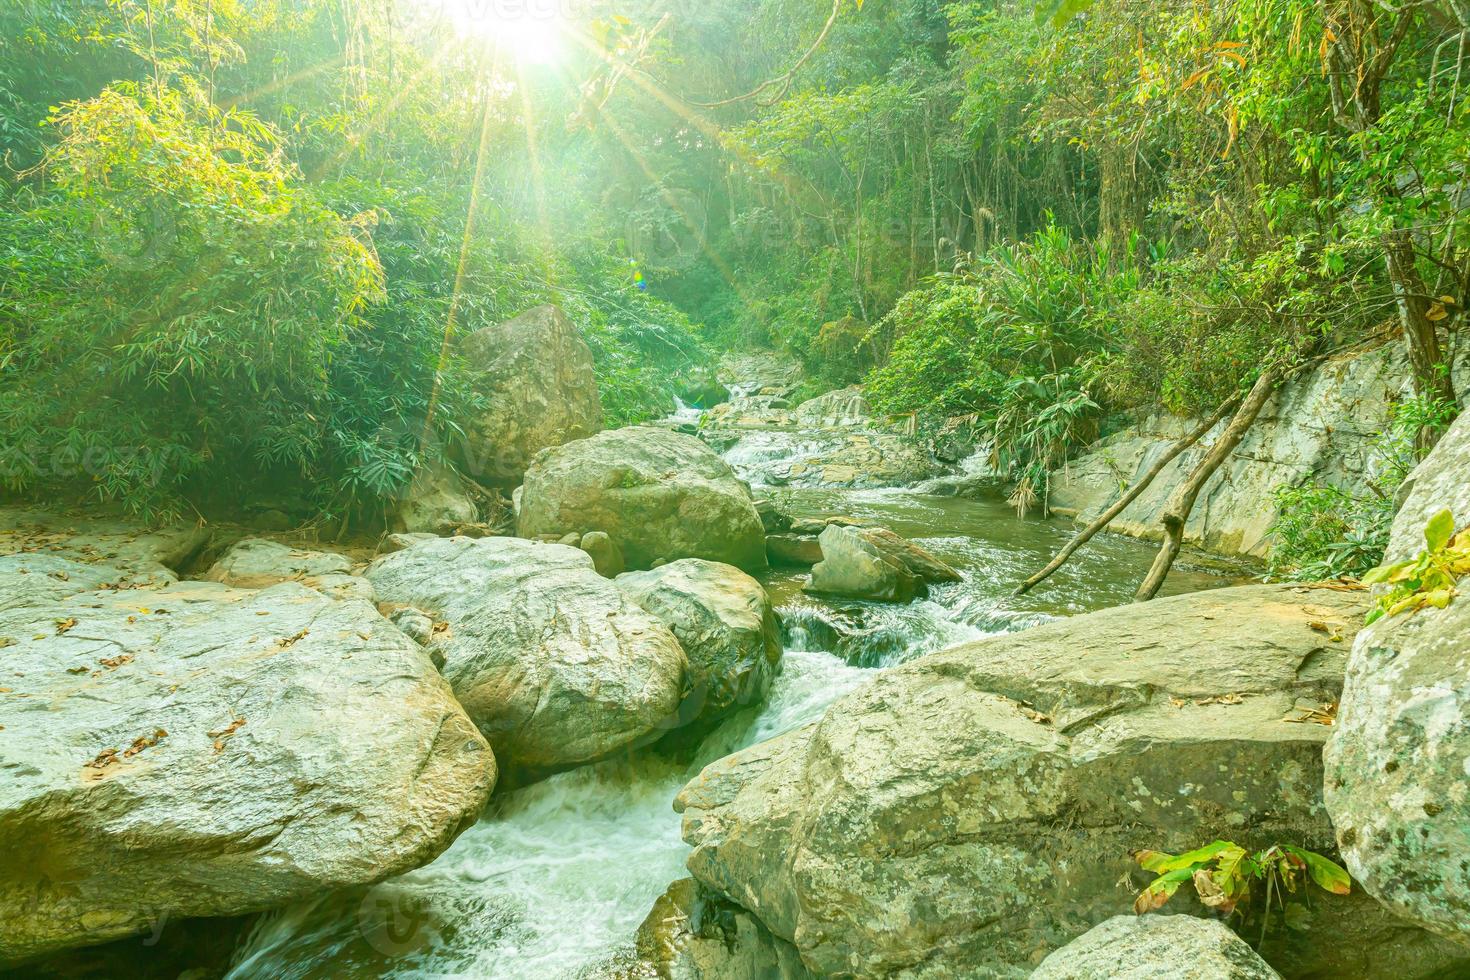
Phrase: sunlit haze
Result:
[531,31]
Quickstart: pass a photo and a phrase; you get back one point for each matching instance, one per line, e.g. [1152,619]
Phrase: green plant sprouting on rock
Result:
[1227,877]
[1429,578]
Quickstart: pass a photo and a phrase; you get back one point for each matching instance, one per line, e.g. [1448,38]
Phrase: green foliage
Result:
[1325,532]
[1227,877]
[1428,579]
[174,305]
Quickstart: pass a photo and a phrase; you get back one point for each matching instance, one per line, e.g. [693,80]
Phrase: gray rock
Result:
[656,493]
[693,935]
[853,566]
[1156,947]
[845,406]
[802,550]
[137,555]
[404,539]
[553,663]
[1398,765]
[536,374]
[437,502]
[418,626]
[723,620]
[773,519]
[258,563]
[203,751]
[1323,426]
[965,813]
[607,557]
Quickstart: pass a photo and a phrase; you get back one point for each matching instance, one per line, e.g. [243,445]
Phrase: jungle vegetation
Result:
[235,234]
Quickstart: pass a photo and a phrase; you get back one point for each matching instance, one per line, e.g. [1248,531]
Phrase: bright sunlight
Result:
[531,31]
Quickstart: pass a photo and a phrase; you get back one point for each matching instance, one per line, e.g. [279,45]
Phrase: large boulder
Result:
[856,568]
[196,750]
[723,620]
[535,373]
[970,811]
[658,495]
[692,935]
[437,502]
[258,563]
[553,663]
[874,563]
[1398,765]
[1156,947]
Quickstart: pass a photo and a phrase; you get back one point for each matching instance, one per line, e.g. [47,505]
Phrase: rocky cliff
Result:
[1323,426]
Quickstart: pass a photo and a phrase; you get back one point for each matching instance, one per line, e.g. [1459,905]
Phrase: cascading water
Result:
[555,878]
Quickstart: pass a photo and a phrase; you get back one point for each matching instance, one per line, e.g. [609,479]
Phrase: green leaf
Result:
[1161,889]
[1439,530]
[1189,859]
[1325,872]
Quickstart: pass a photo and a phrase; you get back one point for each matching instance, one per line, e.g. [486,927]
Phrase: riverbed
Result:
[555,878]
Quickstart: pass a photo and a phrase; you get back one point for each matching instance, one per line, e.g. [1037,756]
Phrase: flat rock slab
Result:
[258,563]
[134,554]
[197,750]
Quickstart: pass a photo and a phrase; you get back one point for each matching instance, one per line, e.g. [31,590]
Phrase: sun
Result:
[531,31]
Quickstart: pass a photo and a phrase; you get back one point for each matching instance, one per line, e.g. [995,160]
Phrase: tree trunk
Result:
[1181,504]
[1106,518]
[1426,359]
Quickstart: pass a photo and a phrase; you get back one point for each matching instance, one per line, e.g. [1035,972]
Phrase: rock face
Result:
[197,750]
[536,373]
[845,406]
[874,563]
[258,563]
[1156,947]
[968,812]
[723,620]
[1323,426]
[1398,765]
[658,495]
[437,502]
[553,663]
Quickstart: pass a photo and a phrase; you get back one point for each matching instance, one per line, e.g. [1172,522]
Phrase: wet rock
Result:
[845,406]
[724,621]
[197,750]
[1398,765]
[607,557]
[691,934]
[773,519]
[799,550]
[702,389]
[657,494]
[919,562]
[258,563]
[553,663]
[1156,947]
[536,374]
[968,812]
[437,502]
[874,563]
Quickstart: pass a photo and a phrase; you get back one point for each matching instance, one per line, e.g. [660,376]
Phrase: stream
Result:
[555,878]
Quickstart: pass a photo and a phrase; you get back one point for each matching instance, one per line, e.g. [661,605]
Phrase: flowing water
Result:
[556,877]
